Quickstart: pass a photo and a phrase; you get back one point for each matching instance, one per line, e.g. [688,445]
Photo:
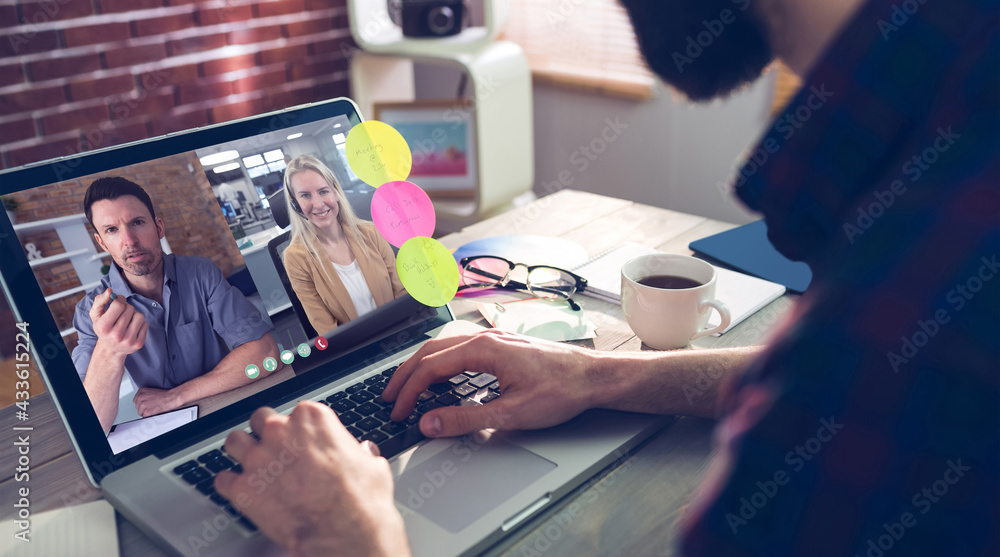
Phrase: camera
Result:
[428,18]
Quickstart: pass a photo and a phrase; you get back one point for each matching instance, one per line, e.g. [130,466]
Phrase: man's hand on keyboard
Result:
[311,487]
[542,383]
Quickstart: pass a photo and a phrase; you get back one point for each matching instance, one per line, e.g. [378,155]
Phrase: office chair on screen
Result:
[276,247]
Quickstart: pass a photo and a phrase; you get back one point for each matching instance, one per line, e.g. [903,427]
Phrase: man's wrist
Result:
[109,357]
[385,537]
[392,536]
[184,394]
[603,379]
[617,379]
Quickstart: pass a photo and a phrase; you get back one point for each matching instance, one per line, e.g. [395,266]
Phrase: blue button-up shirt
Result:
[201,319]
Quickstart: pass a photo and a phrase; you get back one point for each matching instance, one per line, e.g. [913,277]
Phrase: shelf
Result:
[502,115]
[71,291]
[503,127]
[101,255]
[58,257]
[278,309]
[48,224]
[67,332]
[374,31]
[391,41]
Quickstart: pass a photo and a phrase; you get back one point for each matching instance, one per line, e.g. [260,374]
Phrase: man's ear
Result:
[100,242]
[161,228]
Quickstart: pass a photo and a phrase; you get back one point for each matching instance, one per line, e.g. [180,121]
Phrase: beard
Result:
[141,268]
[703,48]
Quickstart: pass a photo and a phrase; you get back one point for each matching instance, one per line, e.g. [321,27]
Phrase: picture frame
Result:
[441,134]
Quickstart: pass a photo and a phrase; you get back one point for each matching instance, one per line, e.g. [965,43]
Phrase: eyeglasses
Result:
[542,281]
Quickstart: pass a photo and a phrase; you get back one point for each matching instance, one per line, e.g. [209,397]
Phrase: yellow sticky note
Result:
[377,153]
[428,271]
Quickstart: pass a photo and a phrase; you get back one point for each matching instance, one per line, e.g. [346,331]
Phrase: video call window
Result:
[219,216]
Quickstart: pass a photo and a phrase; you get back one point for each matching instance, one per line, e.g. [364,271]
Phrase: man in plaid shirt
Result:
[869,427]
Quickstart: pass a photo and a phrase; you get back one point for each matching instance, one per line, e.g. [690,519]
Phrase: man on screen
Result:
[181,331]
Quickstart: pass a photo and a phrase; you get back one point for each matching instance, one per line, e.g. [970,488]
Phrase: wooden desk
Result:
[631,509]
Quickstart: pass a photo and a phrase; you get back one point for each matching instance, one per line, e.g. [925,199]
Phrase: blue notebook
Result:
[748,249]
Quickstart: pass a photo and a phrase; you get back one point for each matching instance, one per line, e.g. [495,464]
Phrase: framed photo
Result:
[442,138]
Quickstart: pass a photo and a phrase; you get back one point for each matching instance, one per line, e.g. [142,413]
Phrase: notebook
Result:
[744,294]
[164,483]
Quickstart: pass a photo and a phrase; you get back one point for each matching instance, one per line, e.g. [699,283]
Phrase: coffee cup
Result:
[667,299]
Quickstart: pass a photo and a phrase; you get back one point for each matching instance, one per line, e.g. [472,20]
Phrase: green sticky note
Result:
[428,271]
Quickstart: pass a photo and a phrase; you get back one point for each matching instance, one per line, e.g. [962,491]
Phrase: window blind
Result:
[587,44]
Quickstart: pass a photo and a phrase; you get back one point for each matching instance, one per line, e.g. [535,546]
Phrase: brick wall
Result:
[77,75]
[183,199]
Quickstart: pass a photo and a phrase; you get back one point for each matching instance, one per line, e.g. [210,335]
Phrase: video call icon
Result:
[252,371]
[304,350]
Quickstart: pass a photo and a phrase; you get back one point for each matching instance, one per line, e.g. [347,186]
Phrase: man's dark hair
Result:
[111,188]
[690,47]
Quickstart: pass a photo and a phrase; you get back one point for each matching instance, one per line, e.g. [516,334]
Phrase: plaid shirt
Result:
[871,427]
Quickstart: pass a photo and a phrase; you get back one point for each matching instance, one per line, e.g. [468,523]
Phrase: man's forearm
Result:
[684,382]
[103,383]
[231,371]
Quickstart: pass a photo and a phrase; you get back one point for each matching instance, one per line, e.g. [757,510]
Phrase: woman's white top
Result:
[361,295]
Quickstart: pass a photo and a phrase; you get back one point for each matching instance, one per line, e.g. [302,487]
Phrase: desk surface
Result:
[631,509]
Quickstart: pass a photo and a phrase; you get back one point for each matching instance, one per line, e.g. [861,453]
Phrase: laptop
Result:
[457,496]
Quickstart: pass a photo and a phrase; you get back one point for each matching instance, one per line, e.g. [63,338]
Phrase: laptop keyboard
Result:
[365,415]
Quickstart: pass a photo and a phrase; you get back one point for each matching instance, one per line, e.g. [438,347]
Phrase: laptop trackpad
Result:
[460,484]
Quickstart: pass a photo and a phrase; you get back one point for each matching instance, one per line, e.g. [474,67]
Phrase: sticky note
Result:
[402,210]
[544,319]
[377,153]
[428,271]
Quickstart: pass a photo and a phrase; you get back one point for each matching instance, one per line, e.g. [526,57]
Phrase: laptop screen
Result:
[226,278]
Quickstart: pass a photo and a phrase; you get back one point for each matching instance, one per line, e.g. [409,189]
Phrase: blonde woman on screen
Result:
[339,266]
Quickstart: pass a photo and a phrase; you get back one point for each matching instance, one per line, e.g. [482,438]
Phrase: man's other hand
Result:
[311,487]
[149,401]
[119,328]
[542,383]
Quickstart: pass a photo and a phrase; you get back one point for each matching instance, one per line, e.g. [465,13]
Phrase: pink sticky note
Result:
[401,210]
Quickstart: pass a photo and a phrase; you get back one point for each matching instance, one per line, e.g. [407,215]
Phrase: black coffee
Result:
[669,282]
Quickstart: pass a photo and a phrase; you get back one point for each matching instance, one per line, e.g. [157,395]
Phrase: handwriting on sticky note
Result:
[377,153]
[428,271]
[401,210]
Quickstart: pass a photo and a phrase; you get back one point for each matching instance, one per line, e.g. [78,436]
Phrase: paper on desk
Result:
[540,319]
[744,294]
[129,434]
[87,529]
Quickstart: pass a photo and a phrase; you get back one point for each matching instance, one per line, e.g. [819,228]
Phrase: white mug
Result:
[666,318]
